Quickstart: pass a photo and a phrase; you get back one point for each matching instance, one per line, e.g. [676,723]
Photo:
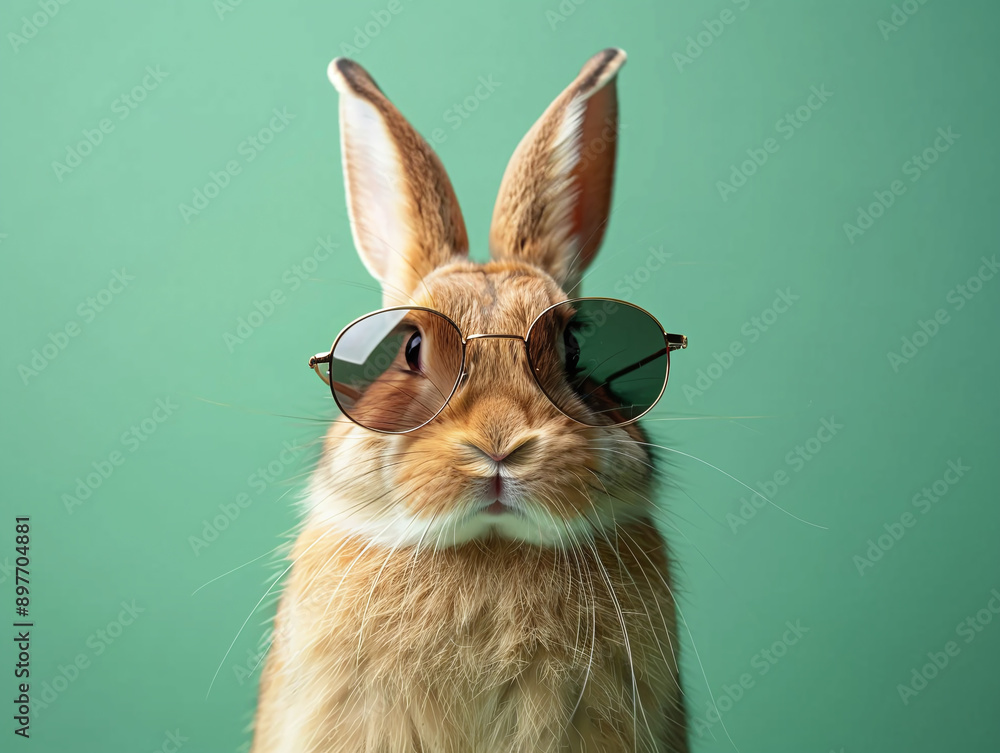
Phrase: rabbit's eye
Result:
[572,348]
[412,351]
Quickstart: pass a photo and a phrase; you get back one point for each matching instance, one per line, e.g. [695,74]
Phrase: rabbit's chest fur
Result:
[492,646]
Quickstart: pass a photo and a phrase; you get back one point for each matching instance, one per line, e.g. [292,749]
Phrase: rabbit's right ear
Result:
[404,214]
[555,197]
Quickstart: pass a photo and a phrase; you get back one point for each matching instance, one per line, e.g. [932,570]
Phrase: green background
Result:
[685,125]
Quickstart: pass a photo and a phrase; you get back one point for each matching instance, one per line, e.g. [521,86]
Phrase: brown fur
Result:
[426,191]
[487,647]
[488,643]
[531,219]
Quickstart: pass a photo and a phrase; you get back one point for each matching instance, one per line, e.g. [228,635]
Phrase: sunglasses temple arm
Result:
[637,365]
[674,342]
[316,360]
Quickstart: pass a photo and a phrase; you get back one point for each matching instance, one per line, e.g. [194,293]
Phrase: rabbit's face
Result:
[500,459]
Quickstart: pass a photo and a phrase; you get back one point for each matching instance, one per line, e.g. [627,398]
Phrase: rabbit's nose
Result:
[510,452]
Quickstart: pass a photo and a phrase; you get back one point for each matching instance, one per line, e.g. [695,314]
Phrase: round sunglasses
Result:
[599,361]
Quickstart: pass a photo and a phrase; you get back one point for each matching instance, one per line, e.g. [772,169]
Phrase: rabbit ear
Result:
[555,195]
[405,218]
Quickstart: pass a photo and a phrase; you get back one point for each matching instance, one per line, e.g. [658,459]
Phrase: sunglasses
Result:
[599,361]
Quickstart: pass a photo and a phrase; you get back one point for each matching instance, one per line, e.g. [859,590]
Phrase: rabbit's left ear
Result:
[404,214]
[555,197]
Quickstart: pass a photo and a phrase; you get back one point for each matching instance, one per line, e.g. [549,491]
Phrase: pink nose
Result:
[496,457]
[501,455]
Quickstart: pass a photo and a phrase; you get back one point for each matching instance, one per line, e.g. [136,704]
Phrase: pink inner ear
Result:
[374,184]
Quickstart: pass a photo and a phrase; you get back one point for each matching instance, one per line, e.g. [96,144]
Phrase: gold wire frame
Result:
[671,342]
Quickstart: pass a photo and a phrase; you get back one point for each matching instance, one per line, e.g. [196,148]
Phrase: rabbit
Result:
[401,629]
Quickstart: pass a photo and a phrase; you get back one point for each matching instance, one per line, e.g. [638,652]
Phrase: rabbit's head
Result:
[500,460]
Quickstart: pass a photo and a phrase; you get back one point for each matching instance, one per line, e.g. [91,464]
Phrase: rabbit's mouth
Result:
[497,492]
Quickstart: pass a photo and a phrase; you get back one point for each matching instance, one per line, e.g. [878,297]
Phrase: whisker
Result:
[229,572]
[371,591]
[694,646]
[258,412]
[240,631]
[702,418]
[729,475]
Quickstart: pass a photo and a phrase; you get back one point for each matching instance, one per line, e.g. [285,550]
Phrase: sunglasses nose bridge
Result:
[469,338]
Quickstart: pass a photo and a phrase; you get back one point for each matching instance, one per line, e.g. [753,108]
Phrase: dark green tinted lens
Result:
[600,361]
